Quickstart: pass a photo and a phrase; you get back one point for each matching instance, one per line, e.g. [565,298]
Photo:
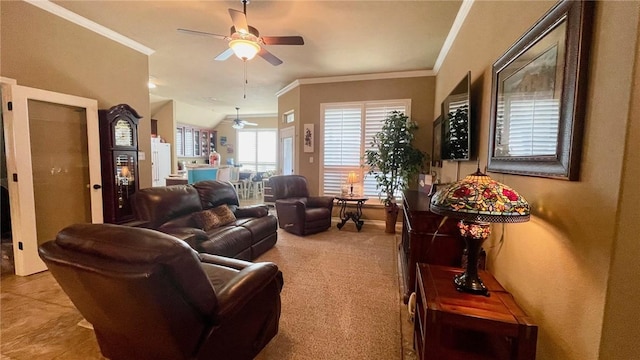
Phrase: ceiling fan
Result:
[245,40]
[240,124]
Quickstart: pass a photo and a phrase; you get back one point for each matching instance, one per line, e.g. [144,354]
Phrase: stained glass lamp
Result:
[478,200]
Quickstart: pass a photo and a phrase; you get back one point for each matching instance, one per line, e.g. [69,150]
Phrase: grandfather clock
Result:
[119,160]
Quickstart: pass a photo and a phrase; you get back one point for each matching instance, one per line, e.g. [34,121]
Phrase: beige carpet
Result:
[340,301]
[341,296]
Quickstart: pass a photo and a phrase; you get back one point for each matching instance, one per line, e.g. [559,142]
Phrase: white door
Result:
[287,150]
[53,161]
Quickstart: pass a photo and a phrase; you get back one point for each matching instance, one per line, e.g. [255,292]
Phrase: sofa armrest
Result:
[252,211]
[320,201]
[235,295]
[224,261]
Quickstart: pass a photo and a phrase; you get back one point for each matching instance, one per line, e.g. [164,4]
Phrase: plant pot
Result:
[391,211]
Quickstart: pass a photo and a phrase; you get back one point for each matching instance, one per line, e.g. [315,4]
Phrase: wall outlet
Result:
[311,159]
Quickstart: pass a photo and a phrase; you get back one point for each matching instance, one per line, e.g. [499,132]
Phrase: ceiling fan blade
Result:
[224,55]
[249,123]
[283,40]
[269,57]
[239,21]
[202,33]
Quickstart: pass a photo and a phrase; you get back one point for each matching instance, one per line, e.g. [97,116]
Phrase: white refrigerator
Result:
[160,161]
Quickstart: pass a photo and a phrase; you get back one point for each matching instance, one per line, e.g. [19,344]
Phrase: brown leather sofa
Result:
[149,295]
[177,210]
[298,212]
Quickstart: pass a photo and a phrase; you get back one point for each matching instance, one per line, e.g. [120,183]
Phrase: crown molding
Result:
[90,25]
[361,77]
[453,33]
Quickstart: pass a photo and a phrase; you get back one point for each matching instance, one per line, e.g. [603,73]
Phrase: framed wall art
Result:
[308,138]
[538,96]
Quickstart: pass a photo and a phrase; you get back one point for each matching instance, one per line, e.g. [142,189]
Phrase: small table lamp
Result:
[352,178]
[477,200]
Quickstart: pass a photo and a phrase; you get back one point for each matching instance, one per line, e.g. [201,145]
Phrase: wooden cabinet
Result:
[426,239]
[450,324]
[204,143]
[192,141]
[119,161]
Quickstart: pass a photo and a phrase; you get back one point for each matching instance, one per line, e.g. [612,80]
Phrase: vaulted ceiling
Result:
[341,38]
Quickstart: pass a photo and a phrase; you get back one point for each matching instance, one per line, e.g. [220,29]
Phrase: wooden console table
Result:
[425,240]
[454,325]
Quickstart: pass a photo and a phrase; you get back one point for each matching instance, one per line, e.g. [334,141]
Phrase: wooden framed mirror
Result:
[538,96]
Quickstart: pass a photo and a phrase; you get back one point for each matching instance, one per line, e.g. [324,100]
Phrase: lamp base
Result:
[474,234]
[470,284]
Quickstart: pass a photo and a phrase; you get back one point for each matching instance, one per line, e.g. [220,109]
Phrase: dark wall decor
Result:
[538,96]
[456,122]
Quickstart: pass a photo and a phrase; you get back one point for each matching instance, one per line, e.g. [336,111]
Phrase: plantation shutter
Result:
[188,142]
[348,130]
[179,141]
[375,115]
[532,128]
[342,138]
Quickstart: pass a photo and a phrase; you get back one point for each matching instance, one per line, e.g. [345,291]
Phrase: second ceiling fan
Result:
[245,40]
[240,124]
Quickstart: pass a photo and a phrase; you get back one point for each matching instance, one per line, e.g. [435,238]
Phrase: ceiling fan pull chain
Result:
[245,79]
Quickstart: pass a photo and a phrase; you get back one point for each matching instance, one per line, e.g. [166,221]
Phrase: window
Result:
[289,117]
[348,129]
[257,149]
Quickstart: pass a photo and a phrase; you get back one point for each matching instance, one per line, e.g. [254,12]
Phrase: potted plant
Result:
[393,161]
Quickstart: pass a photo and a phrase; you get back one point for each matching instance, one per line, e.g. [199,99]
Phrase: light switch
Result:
[141,155]
[311,159]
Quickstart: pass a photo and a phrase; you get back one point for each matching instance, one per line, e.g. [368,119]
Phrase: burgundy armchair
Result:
[149,295]
[298,212]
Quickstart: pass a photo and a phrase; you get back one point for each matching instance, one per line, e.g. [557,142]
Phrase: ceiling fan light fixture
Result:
[237,125]
[244,49]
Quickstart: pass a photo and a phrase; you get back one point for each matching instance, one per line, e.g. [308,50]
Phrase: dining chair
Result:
[224,174]
[238,184]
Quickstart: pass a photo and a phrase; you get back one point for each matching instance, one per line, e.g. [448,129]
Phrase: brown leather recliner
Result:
[150,296]
[299,213]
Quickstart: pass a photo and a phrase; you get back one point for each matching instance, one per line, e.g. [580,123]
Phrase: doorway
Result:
[53,166]
[287,150]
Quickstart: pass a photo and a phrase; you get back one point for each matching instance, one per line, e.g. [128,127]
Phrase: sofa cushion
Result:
[228,240]
[214,193]
[183,221]
[261,227]
[158,205]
